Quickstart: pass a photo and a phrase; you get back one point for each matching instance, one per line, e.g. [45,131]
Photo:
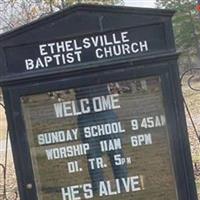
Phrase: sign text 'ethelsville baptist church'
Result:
[112,44]
[68,52]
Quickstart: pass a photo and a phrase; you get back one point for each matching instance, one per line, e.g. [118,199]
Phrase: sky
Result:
[140,3]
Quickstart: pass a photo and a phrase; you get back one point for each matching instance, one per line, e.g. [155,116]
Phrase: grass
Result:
[3,134]
[196,158]
[198,188]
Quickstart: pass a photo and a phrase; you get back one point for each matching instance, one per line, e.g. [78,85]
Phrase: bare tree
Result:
[14,13]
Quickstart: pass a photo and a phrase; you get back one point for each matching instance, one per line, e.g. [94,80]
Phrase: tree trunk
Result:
[196,38]
[189,62]
[63,4]
[51,6]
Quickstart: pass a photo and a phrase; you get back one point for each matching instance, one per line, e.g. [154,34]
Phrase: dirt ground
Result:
[193,101]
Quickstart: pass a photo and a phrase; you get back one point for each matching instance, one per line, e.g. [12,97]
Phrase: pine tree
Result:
[186,26]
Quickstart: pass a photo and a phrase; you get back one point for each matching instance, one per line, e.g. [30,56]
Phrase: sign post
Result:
[94,106]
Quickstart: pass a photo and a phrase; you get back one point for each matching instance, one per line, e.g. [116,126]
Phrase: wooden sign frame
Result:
[161,61]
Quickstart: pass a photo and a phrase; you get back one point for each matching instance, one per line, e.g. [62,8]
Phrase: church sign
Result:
[94,106]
